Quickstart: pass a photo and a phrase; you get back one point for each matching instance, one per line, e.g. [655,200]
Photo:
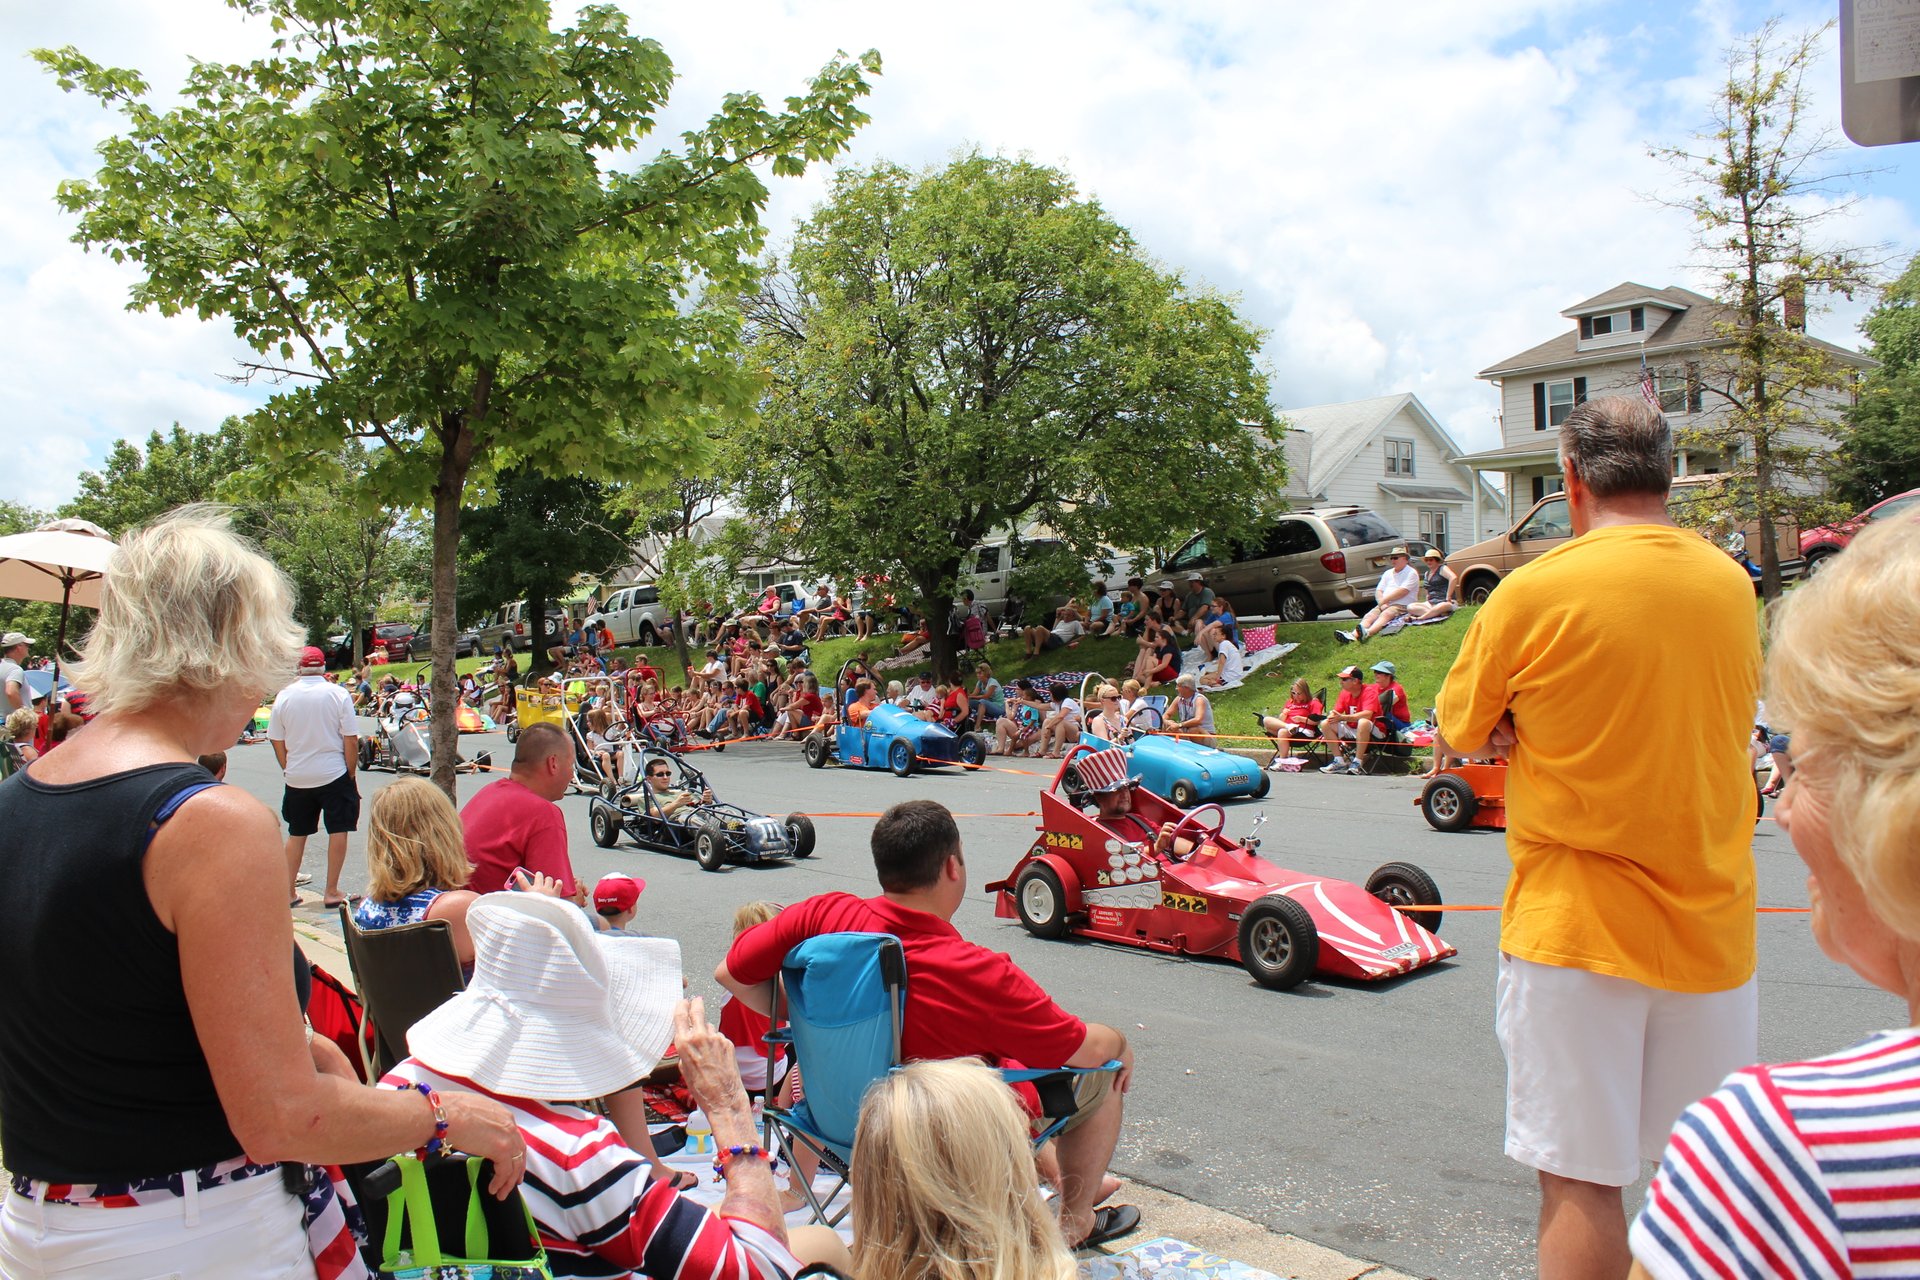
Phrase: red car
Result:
[1222,899]
[1818,545]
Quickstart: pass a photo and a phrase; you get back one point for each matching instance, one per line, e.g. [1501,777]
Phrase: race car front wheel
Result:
[1042,904]
[815,750]
[710,849]
[1278,942]
[900,758]
[1401,884]
[1184,794]
[606,826]
[800,834]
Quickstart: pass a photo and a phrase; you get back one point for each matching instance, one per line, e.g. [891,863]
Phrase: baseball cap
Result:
[616,893]
[312,657]
[1352,673]
[1196,577]
[1386,666]
[1397,551]
[1164,585]
[13,638]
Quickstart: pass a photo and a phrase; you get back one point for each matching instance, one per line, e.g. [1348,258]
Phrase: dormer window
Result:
[1633,320]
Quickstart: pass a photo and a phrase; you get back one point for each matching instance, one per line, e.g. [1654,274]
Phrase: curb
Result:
[1162,1213]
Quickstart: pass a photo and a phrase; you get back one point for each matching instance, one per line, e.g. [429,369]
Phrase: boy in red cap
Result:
[614,899]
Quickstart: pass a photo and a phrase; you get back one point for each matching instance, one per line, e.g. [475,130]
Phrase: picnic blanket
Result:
[1164,1258]
[1195,659]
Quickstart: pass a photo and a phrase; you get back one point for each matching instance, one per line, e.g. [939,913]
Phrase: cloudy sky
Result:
[1399,199]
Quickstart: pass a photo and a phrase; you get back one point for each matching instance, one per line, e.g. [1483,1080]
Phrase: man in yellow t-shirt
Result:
[1618,673]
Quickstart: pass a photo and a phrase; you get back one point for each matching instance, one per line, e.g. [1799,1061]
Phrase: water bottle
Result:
[699,1133]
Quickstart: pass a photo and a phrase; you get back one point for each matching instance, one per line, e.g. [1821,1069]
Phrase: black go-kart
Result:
[715,834]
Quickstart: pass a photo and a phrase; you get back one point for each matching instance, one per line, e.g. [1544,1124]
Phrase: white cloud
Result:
[1400,199]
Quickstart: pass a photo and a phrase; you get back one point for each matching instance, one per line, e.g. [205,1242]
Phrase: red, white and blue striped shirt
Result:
[1806,1169]
[598,1214]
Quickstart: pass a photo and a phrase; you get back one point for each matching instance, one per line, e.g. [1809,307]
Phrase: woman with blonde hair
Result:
[1804,1168]
[417,866]
[122,856]
[944,1181]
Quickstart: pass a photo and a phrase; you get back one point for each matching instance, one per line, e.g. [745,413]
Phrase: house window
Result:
[1672,386]
[1399,457]
[1559,402]
[1433,528]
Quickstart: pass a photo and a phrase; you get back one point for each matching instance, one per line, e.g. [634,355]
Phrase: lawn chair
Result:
[838,1008]
[402,974]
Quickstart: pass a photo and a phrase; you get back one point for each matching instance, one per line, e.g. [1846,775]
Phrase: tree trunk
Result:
[680,621]
[455,459]
[1763,509]
[936,607]
[536,603]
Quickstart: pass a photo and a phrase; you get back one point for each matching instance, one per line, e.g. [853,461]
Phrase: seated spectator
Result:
[515,823]
[1190,714]
[1111,720]
[556,1014]
[743,1027]
[666,797]
[1130,607]
[921,695]
[792,642]
[1066,630]
[805,706]
[709,673]
[609,757]
[1221,612]
[1440,588]
[947,1188]
[1165,605]
[1018,731]
[1194,602]
[1100,612]
[986,698]
[1227,667]
[1159,658]
[1398,588]
[896,693]
[1353,718]
[23,726]
[747,714]
[863,613]
[963,1000]
[1061,728]
[952,710]
[1298,721]
[1807,1168]
[1395,717]
[915,643]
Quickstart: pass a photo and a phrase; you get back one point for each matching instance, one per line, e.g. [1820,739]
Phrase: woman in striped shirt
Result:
[1813,1168]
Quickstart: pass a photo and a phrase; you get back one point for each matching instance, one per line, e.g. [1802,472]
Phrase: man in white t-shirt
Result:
[1399,588]
[1066,630]
[13,676]
[316,736]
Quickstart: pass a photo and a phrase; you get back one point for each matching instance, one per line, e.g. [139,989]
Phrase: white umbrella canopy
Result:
[63,561]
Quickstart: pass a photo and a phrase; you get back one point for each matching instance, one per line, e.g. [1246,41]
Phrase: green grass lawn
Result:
[1422,654]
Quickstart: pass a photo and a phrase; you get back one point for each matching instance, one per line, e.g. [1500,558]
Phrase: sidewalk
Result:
[1161,1212]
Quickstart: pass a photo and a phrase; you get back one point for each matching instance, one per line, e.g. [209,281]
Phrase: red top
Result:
[1367,703]
[1398,707]
[745,1028]
[509,826]
[1301,713]
[810,704]
[962,999]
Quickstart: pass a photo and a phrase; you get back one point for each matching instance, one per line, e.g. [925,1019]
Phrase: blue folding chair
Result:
[838,1009]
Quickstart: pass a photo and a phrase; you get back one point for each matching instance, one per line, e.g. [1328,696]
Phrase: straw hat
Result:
[554,1010]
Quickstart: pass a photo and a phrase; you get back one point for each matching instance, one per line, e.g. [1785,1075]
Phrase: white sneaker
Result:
[1337,765]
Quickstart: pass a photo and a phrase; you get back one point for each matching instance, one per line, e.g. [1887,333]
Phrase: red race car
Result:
[1100,878]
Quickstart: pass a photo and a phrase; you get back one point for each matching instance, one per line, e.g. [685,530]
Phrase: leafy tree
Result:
[980,348]
[1761,190]
[409,212]
[1879,453]
[136,486]
[537,537]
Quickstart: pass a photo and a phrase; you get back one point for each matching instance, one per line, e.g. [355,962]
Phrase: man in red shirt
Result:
[1355,713]
[962,999]
[515,821]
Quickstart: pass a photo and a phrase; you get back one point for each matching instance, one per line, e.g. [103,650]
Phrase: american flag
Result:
[1647,388]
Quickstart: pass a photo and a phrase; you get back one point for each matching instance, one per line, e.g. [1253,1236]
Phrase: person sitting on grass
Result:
[1298,721]
[1065,632]
[1227,667]
[1440,588]
[1061,728]
[987,699]
[1100,614]
[1190,714]
[915,642]
[1355,714]
[1398,588]
[1159,658]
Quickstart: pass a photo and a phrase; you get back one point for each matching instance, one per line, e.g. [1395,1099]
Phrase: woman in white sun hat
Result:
[557,1015]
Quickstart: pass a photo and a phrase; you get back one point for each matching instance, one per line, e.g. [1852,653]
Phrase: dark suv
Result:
[1321,560]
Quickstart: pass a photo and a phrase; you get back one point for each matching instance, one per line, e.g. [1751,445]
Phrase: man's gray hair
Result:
[1619,445]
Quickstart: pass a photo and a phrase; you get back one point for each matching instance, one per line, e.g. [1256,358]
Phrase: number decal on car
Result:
[1184,902]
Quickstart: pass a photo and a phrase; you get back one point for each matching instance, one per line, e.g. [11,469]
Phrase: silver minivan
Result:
[1321,560]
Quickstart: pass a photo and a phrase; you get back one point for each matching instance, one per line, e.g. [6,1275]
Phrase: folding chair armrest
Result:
[1054,1123]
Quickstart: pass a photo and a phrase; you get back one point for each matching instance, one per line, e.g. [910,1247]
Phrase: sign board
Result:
[1880,71]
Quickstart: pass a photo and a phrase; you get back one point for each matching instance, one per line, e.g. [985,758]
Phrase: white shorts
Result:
[1347,731]
[248,1230]
[1599,1068]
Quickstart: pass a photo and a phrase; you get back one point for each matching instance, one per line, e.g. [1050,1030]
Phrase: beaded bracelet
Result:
[438,1142]
[728,1154]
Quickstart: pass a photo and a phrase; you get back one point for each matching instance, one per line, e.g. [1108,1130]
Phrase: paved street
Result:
[1366,1118]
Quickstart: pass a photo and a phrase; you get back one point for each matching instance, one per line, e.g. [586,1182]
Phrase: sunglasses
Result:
[658,773]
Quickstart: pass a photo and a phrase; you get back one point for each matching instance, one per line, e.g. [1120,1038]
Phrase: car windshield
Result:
[1360,528]
[1550,521]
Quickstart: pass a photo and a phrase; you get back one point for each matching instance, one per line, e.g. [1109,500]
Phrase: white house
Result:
[1391,455]
[1615,339]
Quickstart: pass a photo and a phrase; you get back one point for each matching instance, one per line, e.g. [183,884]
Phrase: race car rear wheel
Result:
[1184,794]
[1449,803]
[900,758]
[366,753]
[973,750]
[800,834]
[605,824]
[1042,904]
[1278,942]
[1263,786]
[710,848]
[815,750]
[1401,884]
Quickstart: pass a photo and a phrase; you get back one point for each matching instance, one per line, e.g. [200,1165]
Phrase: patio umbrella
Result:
[65,560]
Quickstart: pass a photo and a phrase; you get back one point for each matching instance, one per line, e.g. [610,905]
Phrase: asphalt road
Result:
[1367,1118]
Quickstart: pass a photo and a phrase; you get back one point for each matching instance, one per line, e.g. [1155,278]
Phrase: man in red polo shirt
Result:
[962,999]
[515,821]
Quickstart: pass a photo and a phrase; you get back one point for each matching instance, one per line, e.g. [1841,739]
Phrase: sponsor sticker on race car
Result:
[1104,917]
[1402,950]
[1184,902]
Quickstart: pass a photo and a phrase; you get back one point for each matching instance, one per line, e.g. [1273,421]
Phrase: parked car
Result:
[634,615]
[1817,546]
[466,640]
[1321,560]
[509,622]
[1549,522]
[396,639]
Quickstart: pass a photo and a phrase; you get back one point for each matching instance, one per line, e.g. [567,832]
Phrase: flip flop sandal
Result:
[352,899]
[1110,1223]
[684,1180]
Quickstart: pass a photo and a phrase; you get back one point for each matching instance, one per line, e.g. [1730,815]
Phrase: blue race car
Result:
[1186,772]
[894,738]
